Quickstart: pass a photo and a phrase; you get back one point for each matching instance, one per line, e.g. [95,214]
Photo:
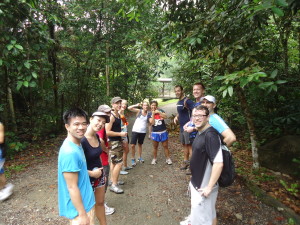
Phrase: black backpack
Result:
[228,172]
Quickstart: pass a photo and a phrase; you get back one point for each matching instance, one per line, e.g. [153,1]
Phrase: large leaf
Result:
[277,11]
[19,47]
[282,3]
[27,64]
[230,90]
[274,73]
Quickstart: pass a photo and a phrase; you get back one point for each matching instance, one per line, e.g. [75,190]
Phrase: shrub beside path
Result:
[154,195]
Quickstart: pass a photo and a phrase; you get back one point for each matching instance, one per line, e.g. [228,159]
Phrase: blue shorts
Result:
[159,136]
[2,160]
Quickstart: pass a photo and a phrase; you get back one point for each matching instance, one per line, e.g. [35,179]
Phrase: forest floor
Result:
[154,194]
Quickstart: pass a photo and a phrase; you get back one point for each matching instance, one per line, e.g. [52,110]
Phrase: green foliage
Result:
[15,146]
[293,188]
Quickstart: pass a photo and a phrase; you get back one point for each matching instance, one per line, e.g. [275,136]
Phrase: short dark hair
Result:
[74,112]
[154,101]
[200,84]
[202,108]
[179,86]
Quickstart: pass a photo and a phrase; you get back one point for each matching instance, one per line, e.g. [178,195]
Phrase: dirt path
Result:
[154,195]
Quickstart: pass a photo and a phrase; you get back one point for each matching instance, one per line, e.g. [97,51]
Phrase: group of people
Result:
[83,161]
[99,145]
[201,133]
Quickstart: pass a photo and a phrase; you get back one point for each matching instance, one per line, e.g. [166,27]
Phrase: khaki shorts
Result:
[91,215]
[116,152]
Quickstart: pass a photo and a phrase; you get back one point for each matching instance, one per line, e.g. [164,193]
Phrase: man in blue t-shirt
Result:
[217,122]
[75,194]
[184,110]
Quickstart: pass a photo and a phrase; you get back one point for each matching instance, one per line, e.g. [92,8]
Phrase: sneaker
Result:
[141,160]
[154,161]
[6,192]
[188,172]
[108,210]
[116,189]
[186,221]
[120,182]
[122,172]
[133,162]
[184,165]
[9,187]
[127,168]
[169,161]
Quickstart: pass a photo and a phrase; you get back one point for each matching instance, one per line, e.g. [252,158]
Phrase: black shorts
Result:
[135,136]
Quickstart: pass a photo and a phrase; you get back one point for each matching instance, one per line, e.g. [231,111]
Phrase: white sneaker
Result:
[6,192]
[122,172]
[169,161]
[9,187]
[154,161]
[108,210]
[186,221]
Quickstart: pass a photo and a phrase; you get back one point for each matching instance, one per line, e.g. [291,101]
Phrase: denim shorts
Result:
[159,136]
[2,160]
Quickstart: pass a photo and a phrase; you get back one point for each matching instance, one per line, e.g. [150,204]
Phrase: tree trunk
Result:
[53,61]
[107,69]
[250,124]
[11,103]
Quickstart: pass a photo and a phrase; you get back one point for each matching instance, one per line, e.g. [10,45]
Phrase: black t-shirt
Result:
[116,127]
[205,147]
[92,154]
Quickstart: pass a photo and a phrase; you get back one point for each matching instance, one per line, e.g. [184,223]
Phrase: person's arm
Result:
[71,180]
[1,133]
[111,133]
[162,114]
[103,146]
[133,108]
[215,174]
[96,173]
[151,119]
[228,137]
[176,119]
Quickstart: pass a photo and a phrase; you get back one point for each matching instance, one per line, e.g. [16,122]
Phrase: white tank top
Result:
[140,124]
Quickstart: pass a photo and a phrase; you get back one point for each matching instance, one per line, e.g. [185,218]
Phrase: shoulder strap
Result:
[139,113]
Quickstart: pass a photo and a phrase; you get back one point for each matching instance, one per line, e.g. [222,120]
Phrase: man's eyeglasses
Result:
[199,116]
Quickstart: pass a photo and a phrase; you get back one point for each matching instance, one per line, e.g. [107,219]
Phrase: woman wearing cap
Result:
[92,149]
[217,122]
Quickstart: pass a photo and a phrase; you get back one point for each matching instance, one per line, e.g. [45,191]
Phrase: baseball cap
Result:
[104,108]
[101,114]
[115,100]
[210,98]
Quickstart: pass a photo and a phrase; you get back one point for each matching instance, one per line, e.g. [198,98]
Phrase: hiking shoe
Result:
[108,210]
[116,189]
[154,161]
[186,221]
[122,172]
[120,182]
[141,160]
[188,172]
[184,165]
[169,161]
[133,162]
[127,168]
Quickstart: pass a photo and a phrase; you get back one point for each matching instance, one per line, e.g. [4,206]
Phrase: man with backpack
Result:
[184,109]
[206,167]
